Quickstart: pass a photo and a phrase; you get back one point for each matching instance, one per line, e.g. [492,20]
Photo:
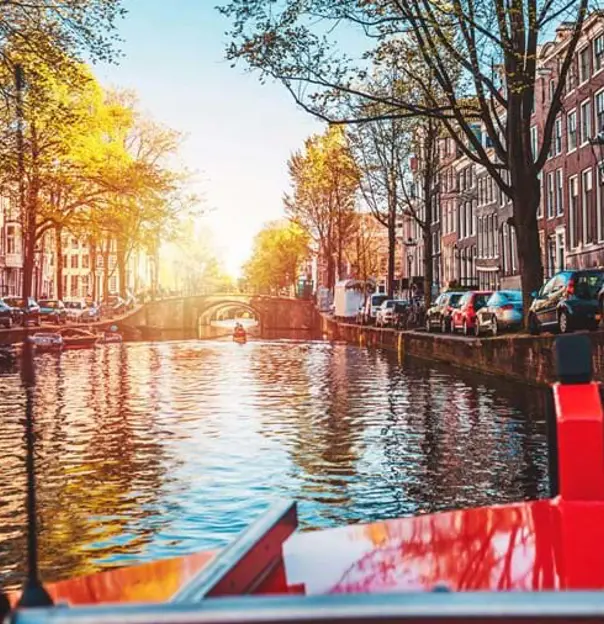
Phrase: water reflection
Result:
[154,450]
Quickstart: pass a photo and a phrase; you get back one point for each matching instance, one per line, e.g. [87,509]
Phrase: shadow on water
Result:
[153,450]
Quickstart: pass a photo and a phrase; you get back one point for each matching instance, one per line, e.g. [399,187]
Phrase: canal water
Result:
[148,451]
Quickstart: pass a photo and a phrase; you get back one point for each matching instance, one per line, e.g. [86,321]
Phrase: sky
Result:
[240,133]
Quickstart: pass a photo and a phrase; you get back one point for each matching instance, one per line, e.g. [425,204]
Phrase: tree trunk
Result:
[106,270]
[92,245]
[59,262]
[529,248]
[121,266]
[391,251]
[428,265]
[30,218]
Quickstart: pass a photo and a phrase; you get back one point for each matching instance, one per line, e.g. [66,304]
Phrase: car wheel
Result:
[533,324]
[563,322]
[494,327]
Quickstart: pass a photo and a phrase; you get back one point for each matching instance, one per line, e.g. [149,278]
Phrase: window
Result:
[11,239]
[75,282]
[557,137]
[559,192]
[598,53]
[65,261]
[99,260]
[74,243]
[588,207]
[64,285]
[600,210]
[585,121]
[584,64]
[541,194]
[573,209]
[552,89]
[113,284]
[86,261]
[84,285]
[74,261]
[534,140]
[571,78]
[599,101]
[550,196]
[571,129]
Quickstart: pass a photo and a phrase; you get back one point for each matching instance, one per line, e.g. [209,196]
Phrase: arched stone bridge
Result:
[181,317]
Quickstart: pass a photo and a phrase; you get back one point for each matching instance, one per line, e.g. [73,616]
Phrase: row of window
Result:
[589,60]
[80,286]
[73,261]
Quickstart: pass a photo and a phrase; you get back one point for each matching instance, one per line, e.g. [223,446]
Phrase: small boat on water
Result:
[47,341]
[111,338]
[528,562]
[239,335]
[75,338]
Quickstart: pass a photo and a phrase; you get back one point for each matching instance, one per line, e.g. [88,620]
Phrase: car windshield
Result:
[454,299]
[390,304]
[377,300]
[480,300]
[14,302]
[512,295]
[74,305]
[587,285]
[49,304]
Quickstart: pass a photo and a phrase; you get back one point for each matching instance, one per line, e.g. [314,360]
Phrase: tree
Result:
[363,252]
[483,56]
[58,32]
[278,250]
[325,180]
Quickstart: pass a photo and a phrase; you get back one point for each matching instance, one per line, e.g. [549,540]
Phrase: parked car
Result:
[502,311]
[372,305]
[77,311]
[53,311]
[400,314]
[6,316]
[439,315]
[383,317]
[28,313]
[464,316]
[568,301]
[93,311]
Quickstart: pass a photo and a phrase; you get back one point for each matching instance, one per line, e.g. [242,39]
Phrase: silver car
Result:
[503,311]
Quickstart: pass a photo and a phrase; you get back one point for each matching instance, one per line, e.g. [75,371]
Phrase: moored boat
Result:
[532,561]
[46,341]
[75,338]
[111,338]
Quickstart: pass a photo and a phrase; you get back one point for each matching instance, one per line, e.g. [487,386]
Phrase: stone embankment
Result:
[518,357]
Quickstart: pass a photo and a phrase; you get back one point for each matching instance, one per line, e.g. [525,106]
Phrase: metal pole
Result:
[34,594]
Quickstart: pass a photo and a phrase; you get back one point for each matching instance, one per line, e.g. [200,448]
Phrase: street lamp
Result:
[598,141]
[409,245]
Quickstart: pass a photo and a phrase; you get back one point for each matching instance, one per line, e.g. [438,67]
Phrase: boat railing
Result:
[408,608]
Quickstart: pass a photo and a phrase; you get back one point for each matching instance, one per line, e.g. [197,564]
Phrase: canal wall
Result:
[523,358]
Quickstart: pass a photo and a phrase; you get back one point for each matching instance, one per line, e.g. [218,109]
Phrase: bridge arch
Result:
[206,314]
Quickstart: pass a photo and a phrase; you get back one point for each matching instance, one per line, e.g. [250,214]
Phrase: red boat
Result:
[533,561]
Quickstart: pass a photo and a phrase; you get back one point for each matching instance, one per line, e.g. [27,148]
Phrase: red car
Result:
[464,314]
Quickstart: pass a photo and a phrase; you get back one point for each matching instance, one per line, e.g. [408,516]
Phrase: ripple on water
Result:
[156,450]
